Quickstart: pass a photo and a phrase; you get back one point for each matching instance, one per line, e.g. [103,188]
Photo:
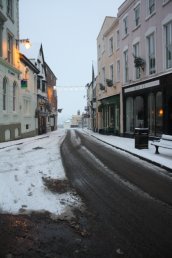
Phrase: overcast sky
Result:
[68,30]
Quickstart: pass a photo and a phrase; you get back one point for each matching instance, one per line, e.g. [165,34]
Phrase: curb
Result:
[135,155]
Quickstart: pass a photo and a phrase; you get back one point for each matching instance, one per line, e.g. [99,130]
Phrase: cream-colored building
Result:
[108,92]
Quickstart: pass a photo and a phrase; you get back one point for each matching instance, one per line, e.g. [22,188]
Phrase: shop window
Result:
[129,115]
[159,113]
[139,112]
[151,113]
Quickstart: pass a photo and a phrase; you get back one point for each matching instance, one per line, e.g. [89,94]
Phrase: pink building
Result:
[145,28]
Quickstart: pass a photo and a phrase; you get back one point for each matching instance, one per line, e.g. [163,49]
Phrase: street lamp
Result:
[25,42]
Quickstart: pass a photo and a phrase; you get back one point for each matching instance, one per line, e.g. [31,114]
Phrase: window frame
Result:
[111,72]
[126,69]
[4,93]
[14,97]
[10,10]
[118,70]
[125,25]
[137,18]
[10,47]
[111,49]
[151,7]
[168,45]
[151,53]
[136,51]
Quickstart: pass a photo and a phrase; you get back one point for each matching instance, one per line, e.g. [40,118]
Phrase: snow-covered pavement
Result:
[24,164]
[164,159]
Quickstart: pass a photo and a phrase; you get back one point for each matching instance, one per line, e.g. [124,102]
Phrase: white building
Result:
[10,112]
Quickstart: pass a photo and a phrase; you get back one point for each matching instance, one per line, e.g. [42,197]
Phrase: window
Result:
[151,113]
[136,54]
[159,113]
[10,48]
[4,94]
[38,83]
[151,53]
[168,45]
[125,23]
[111,46]
[118,70]
[139,112]
[111,73]
[166,1]
[129,115]
[151,6]
[103,75]
[126,66]
[27,107]
[10,8]
[117,39]
[14,96]
[137,15]
[43,86]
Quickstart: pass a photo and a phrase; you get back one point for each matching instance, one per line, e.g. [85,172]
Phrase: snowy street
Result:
[122,207]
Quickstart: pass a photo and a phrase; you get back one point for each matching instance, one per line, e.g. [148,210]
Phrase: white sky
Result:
[21,185]
[68,30]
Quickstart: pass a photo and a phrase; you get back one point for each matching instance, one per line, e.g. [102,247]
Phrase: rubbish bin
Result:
[141,138]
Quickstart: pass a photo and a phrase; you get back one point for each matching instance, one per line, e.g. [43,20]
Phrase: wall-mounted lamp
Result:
[25,42]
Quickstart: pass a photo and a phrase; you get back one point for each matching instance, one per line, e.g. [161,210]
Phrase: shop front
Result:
[148,105]
[110,110]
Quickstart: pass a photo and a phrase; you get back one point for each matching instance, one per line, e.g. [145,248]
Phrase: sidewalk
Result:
[163,160]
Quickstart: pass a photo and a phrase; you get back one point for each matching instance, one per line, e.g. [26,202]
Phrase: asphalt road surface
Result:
[131,198]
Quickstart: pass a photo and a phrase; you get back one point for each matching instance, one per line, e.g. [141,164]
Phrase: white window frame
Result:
[14,97]
[137,19]
[117,39]
[125,25]
[151,53]
[168,62]
[118,70]
[126,68]
[111,45]
[136,52]
[151,7]
[111,72]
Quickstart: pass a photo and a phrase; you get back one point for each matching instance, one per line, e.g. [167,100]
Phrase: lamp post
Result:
[25,42]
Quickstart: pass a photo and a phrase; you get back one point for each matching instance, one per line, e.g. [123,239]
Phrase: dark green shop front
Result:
[110,108]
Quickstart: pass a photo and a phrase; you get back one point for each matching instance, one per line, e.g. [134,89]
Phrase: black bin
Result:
[141,138]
